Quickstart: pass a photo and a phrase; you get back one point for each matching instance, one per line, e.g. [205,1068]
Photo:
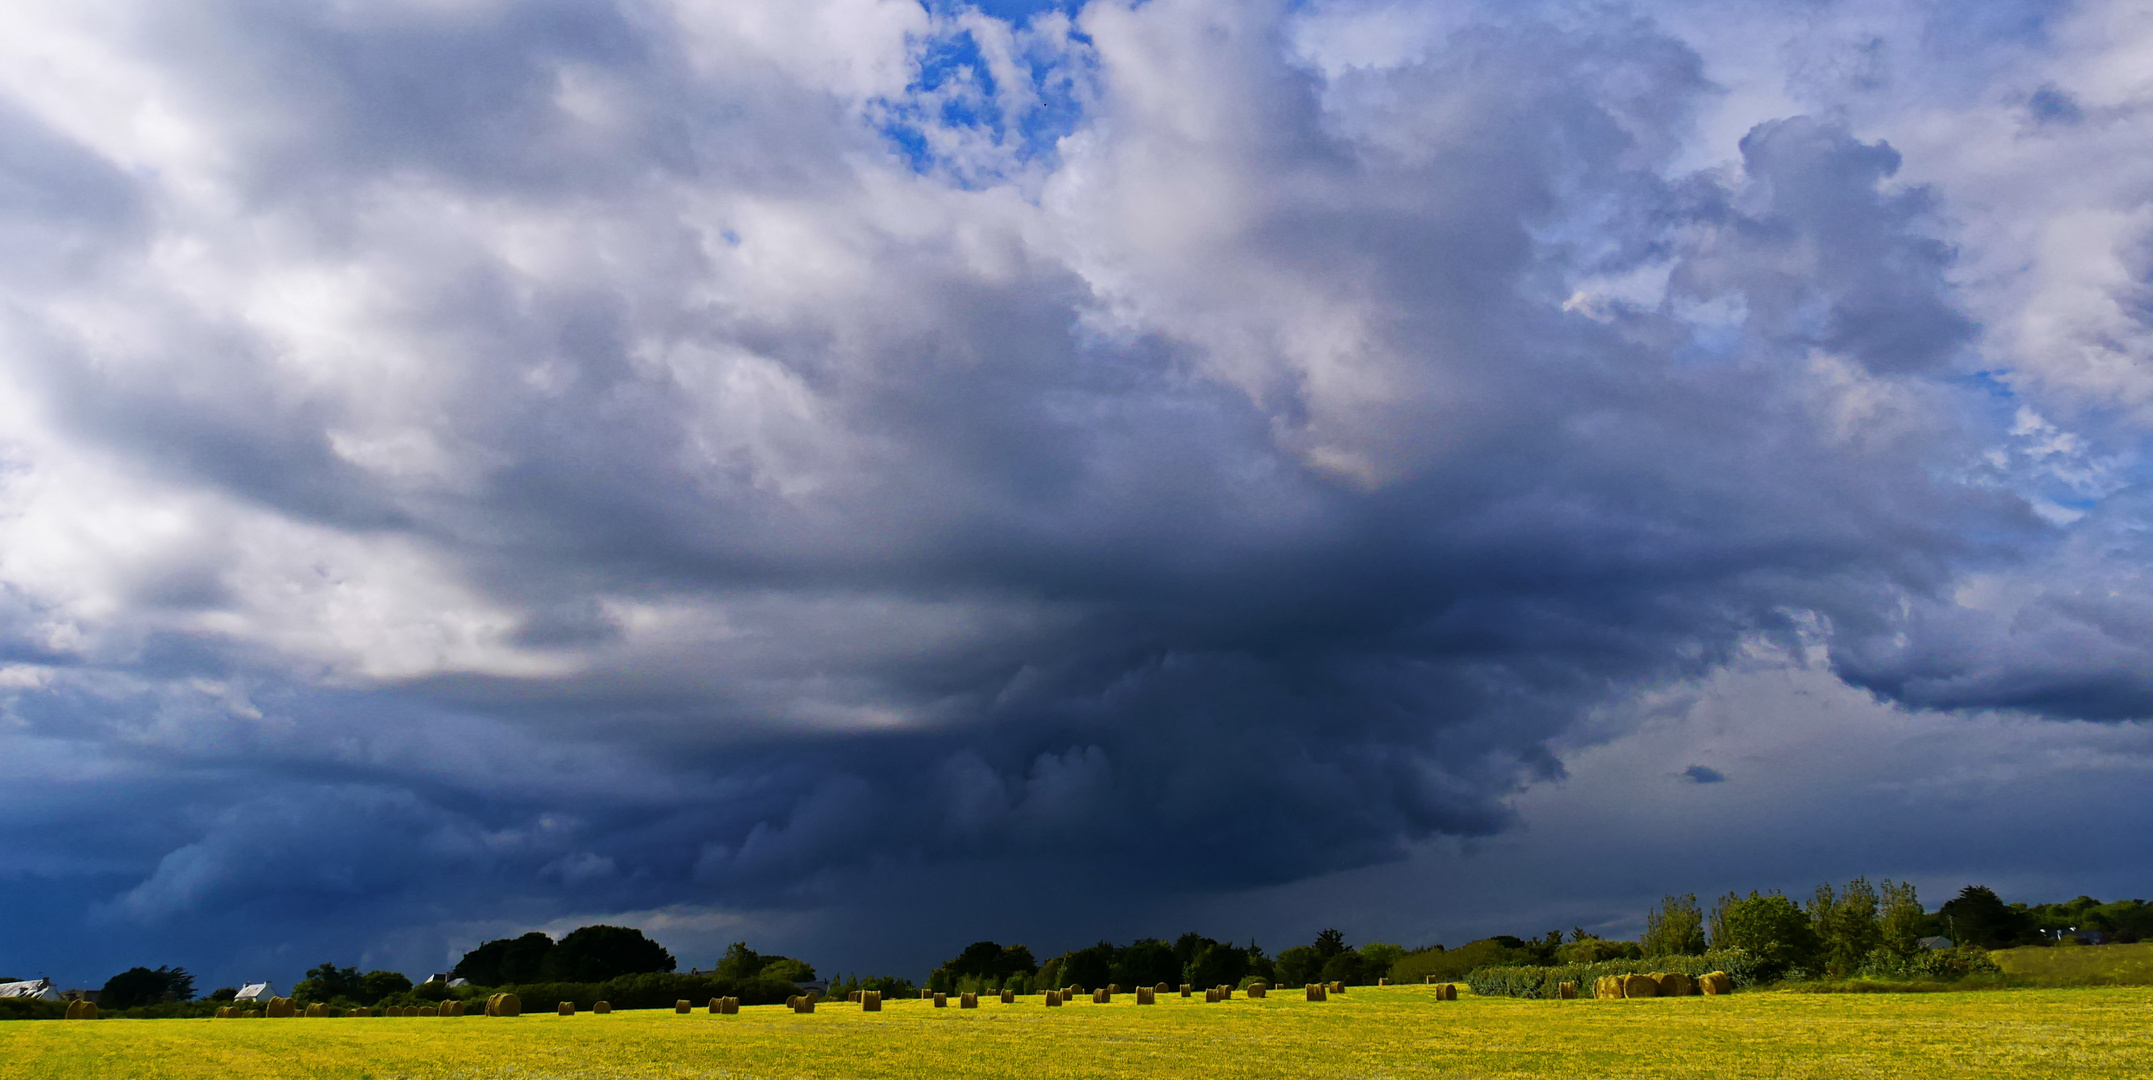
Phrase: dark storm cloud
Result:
[567,465]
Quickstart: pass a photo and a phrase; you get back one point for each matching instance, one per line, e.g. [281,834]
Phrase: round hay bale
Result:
[1258,990]
[716,1006]
[1113,988]
[1338,988]
[926,994]
[1009,997]
[1382,982]
[1184,989]
[435,1010]
[1054,999]
[1450,992]
[602,1008]
[566,1008]
[854,997]
[1716,982]
[732,1006]
[1146,996]
[1566,990]
[250,1014]
[1102,996]
[806,1005]
[511,1005]
[1073,988]
[1640,986]
[941,1001]
[458,1007]
[224,1012]
[1315,992]
[968,1001]
[1161,989]
[1211,996]
[358,1012]
[74,1010]
[1676,984]
[871,1001]
[681,1006]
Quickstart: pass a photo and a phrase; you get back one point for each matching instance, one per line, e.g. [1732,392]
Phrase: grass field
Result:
[1369,1032]
[2079,965]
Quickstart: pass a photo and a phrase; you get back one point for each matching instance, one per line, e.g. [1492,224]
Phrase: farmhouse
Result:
[254,992]
[39,989]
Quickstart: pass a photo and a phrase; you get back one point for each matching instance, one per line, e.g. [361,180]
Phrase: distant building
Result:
[254,992]
[454,983]
[2084,935]
[36,989]
[1935,943]
[437,977]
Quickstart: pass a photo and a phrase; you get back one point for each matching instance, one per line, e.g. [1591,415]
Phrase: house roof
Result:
[40,989]
[253,992]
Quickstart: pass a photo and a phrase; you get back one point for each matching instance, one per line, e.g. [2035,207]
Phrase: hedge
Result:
[1541,982]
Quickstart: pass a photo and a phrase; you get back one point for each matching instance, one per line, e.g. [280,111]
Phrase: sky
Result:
[864,476]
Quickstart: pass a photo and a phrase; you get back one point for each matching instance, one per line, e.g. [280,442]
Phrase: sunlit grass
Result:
[1368,1032]
[2079,965]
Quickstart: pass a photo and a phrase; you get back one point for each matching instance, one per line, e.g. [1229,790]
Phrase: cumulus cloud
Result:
[633,456]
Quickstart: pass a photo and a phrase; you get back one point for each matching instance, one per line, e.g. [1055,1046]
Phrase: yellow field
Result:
[1369,1032]
[2079,965]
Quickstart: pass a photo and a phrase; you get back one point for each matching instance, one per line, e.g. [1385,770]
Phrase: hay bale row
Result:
[81,1010]
[870,1001]
[1315,992]
[504,1005]
[721,1006]
[1661,984]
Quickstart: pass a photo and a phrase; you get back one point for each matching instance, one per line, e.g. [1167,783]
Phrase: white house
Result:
[40,989]
[254,992]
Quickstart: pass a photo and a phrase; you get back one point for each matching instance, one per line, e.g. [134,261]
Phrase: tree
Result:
[787,969]
[1217,964]
[506,961]
[598,953]
[739,962]
[1148,962]
[1675,928]
[1771,929]
[1977,916]
[1851,932]
[376,985]
[1299,965]
[1900,920]
[1091,967]
[328,983]
[1330,943]
[146,986]
[1378,956]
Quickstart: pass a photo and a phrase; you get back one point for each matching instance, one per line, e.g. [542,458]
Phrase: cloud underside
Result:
[600,459]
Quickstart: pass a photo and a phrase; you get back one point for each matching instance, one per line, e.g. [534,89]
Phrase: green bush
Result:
[1937,965]
[1521,981]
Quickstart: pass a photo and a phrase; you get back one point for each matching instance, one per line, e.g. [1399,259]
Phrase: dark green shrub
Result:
[1521,981]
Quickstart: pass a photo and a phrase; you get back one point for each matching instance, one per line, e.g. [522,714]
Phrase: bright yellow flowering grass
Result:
[1368,1032]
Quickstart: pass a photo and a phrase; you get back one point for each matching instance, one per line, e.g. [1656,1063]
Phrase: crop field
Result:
[1367,1032]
